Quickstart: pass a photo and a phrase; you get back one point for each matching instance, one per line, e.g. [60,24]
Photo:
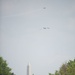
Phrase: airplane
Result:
[46,28]
[44,7]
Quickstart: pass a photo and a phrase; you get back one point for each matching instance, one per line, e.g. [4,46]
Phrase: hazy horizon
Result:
[24,40]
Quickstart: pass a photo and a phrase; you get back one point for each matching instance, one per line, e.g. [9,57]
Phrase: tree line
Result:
[4,69]
[67,68]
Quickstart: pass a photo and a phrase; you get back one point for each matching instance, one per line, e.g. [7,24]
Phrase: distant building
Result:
[29,69]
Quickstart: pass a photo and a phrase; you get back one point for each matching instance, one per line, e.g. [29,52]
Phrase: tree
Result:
[63,69]
[51,74]
[68,68]
[56,72]
[4,69]
[71,67]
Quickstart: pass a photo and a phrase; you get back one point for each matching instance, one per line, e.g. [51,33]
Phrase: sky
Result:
[23,38]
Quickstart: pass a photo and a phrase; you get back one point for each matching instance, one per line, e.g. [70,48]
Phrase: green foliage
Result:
[4,69]
[56,72]
[63,69]
[71,67]
[68,68]
[51,74]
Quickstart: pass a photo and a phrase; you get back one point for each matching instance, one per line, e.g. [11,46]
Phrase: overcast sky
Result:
[24,40]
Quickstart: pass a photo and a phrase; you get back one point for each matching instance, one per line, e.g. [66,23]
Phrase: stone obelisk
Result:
[29,69]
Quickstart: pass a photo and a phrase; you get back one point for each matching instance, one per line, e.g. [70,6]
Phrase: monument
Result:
[29,69]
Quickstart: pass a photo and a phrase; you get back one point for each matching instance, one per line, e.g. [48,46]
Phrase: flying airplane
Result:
[44,7]
[46,28]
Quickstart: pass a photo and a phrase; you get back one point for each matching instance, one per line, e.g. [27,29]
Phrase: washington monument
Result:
[29,69]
